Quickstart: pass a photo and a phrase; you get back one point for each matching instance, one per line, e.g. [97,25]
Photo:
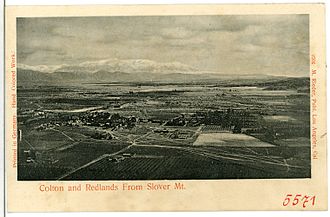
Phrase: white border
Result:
[121,2]
[2,156]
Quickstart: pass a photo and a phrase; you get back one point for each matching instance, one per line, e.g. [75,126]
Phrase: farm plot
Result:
[229,140]
[84,152]
[128,169]
[44,140]
[184,167]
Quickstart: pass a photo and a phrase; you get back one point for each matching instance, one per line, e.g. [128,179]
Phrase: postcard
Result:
[165,108]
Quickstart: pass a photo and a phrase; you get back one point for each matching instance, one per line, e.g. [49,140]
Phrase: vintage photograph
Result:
[172,97]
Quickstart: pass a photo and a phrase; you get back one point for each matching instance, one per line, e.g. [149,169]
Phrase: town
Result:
[140,131]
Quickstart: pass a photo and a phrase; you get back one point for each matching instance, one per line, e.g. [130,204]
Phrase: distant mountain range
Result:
[114,70]
[115,65]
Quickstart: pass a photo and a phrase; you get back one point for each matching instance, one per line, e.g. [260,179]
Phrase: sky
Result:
[231,44]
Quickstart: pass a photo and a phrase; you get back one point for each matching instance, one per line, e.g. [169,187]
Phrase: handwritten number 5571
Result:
[298,199]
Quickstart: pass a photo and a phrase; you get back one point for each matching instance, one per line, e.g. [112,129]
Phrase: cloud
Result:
[227,43]
[176,33]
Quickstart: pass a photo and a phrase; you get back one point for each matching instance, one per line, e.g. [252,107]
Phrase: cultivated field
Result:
[229,140]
